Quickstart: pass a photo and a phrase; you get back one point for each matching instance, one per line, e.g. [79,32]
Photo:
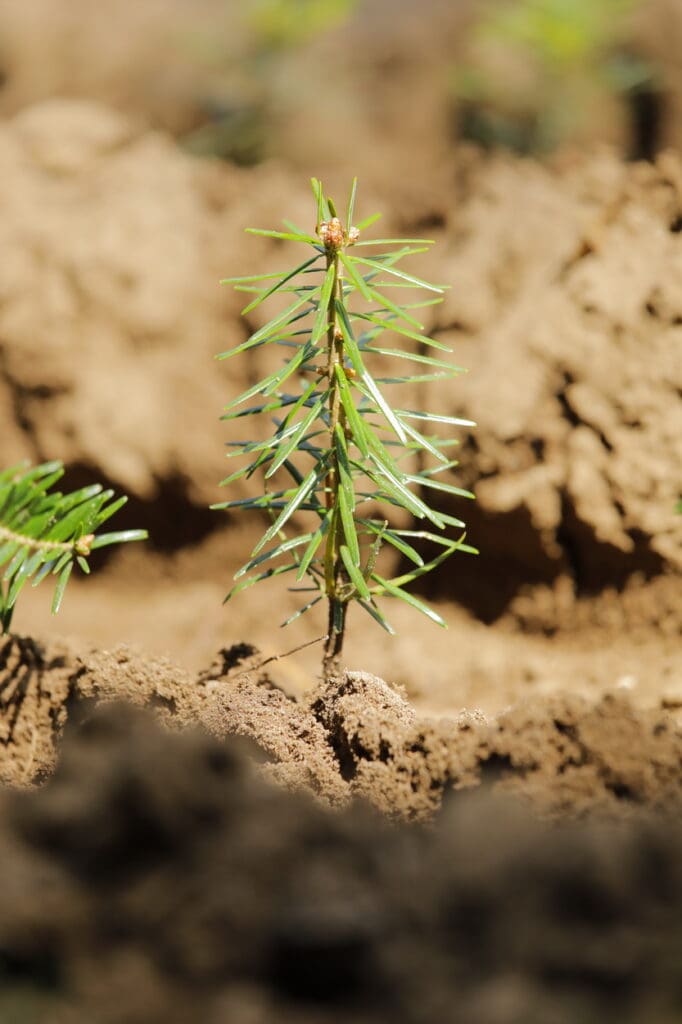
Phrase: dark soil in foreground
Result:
[159,875]
[157,878]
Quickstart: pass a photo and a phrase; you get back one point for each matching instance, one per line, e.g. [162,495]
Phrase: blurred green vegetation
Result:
[536,68]
[281,24]
[559,32]
[239,112]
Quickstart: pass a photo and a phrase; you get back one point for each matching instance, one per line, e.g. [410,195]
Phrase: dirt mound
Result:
[155,877]
[565,755]
[43,685]
[358,737]
[566,306]
[111,302]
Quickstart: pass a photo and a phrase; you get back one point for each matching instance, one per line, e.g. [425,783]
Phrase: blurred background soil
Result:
[540,145]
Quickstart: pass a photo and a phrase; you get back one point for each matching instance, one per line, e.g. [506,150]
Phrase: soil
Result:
[237,864]
[476,825]
[156,877]
[356,737]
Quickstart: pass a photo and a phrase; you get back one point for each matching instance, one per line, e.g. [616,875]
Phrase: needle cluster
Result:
[339,447]
[45,533]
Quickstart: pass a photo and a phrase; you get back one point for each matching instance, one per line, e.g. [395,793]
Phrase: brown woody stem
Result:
[333,565]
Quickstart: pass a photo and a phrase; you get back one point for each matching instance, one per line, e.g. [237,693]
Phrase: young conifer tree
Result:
[339,447]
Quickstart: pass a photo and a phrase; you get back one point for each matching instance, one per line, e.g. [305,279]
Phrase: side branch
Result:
[79,547]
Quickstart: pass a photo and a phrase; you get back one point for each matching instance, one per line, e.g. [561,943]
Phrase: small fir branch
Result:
[338,442]
[81,547]
[44,532]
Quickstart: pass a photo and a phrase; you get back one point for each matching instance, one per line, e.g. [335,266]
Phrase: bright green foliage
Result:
[43,532]
[339,445]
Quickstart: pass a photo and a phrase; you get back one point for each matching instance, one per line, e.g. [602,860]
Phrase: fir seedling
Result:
[44,532]
[339,447]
